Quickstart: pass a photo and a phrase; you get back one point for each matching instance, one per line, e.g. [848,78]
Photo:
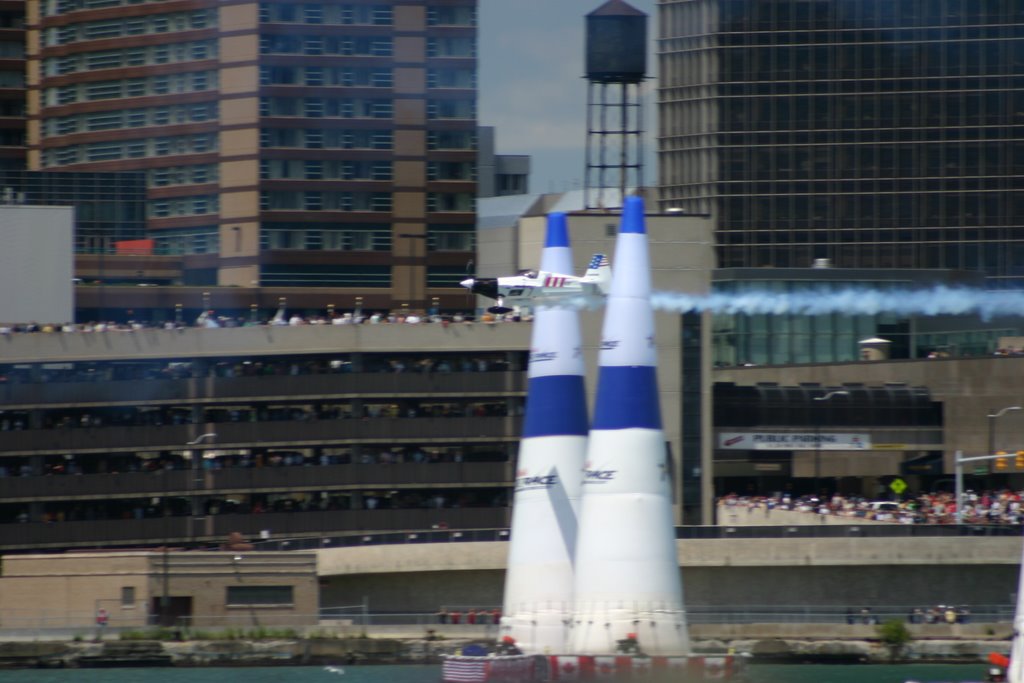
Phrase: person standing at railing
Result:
[102,618]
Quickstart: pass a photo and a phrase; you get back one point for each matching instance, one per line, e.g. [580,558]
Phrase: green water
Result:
[764,673]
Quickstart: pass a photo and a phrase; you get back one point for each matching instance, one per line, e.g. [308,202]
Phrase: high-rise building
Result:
[12,84]
[286,144]
[874,133]
[499,175]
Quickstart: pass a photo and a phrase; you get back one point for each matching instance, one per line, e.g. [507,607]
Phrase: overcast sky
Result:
[531,84]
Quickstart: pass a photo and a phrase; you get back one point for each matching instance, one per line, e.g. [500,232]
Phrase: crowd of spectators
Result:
[103,371]
[158,416]
[256,503]
[210,319]
[984,507]
[118,463]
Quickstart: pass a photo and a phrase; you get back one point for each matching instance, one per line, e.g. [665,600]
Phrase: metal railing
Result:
[355,620]
[377,538]
[301,530]
[682,532]
[844,614]
[850,530]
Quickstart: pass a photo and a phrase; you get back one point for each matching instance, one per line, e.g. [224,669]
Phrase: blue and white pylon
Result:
[627,572]
[539,580]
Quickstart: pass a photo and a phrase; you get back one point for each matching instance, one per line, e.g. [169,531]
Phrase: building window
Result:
[103,151]
[313,107]
[314,139]
[104,90]
[313,45]
[128,596]
[313,14]
[451,16]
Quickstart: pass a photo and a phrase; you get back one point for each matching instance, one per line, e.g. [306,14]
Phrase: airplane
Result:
[532,288]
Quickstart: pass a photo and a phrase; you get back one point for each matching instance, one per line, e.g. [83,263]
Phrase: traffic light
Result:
[1001,463]
[1019,460]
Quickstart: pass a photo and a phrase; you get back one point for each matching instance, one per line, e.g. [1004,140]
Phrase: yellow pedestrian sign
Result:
[898,486]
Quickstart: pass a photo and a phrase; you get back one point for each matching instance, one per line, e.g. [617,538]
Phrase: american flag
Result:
[474,670]
[598,261]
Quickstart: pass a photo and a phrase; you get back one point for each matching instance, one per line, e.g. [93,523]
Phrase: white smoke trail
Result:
[939,300]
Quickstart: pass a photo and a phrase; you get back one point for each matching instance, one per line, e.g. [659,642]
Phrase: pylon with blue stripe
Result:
[539,580]
[627,581]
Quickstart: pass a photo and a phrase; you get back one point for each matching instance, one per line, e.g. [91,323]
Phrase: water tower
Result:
[616,59]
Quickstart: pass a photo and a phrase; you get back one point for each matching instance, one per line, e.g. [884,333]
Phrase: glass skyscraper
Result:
[874,133]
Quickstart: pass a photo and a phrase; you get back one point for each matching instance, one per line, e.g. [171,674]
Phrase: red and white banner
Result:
[565,668]
[638,669]
[605,667]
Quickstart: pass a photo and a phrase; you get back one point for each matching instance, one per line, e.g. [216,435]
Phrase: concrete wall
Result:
[67,591]
[266,340]
[739,573]
[38,591]
[414,578]
[418,592]
[206,578]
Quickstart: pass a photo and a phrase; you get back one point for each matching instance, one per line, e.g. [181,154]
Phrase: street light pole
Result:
[817,436]
[197,473]
[958,489]
[165,597]
[958,470]
[990,455]
[992,417]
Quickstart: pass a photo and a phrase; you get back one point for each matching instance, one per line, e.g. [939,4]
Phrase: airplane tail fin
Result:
[599,273]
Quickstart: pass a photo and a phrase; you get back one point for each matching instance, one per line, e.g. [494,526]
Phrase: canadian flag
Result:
[567,669]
